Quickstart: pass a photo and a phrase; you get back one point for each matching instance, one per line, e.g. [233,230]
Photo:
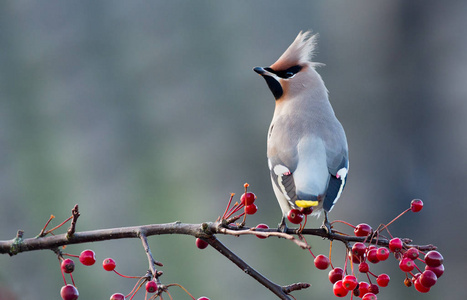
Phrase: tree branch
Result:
[205,231]
[222,249]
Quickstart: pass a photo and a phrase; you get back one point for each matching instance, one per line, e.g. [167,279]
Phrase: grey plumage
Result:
[307,147]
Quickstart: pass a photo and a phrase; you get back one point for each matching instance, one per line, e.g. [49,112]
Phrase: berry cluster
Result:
[246,203]
[67,266]
[152,285]
[365,253]
[88,258]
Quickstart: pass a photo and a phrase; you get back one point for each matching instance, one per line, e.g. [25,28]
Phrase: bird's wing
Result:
[283,179]
[338,166]
[336,185]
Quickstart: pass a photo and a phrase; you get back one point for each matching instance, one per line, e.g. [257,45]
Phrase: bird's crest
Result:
[299,52]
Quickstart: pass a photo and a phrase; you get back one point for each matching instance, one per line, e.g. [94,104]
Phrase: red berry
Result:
[295,216]
[322,262]
[339,290]
[383,280]
[201,244]
[306,210]
[251,209]
[412,253]
[395,245]
[67,265]
[87,257]
[117,296]
[382,253]
[363,267]
[335,275]
[109,264]
[362,229]
[439,270]
[358,249]
[262,226]
[434,259]
[203,298]
[355,259]
[151,286]
[372,257]
[248,198]
[428,278]
[350,282]
[416,205]
[373,289]
[369,296]
[363,287]
[419,287]
[415,277]
[69,292]
[406,264]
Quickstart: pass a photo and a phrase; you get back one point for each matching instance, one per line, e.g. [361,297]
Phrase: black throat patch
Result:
[274,86]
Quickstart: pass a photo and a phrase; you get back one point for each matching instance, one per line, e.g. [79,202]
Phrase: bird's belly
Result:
[312,175]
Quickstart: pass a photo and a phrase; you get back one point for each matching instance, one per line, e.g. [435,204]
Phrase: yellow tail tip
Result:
[306,203]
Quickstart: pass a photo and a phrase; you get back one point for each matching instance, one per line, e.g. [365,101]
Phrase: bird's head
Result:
[294,72]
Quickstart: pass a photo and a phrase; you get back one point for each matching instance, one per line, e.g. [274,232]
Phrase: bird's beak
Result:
[259,70]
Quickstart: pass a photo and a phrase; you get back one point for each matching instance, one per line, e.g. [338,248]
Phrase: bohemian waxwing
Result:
[306,147]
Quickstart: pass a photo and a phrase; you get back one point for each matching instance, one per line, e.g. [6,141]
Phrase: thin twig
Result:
[222,249]
[75,214]
[265,234]
[151,260]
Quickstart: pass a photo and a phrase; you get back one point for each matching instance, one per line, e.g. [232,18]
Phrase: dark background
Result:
[150,113]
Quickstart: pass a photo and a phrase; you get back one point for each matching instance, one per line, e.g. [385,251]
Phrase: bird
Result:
[307,147]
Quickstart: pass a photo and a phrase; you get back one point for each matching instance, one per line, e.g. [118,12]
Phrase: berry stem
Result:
[134,287]
[72,280]
[170,296]
[71,255]
[416,267]
[234,209]
[63,274]
[418,258]
[343,222]
[58,226]
[42,233]
[376,276]
[180,286]
[393,220]
[228,205]
[302,238]
[330,252]
[346,260]
[139,277]
[137,289]
[304,223]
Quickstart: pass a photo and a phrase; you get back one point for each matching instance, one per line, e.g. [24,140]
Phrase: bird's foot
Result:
[326,224]
[282,226]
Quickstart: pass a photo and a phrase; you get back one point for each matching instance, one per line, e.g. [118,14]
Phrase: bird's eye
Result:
[290,72]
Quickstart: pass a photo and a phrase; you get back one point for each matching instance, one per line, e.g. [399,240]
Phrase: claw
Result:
[282,226]
[326,224]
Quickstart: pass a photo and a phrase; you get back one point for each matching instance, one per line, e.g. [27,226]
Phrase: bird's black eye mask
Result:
[288,73]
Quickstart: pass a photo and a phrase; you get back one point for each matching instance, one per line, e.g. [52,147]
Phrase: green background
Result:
[149,112]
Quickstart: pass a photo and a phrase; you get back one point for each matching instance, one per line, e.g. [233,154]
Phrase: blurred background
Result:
[150,113]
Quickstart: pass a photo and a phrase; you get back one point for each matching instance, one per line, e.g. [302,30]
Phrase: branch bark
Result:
[205,231]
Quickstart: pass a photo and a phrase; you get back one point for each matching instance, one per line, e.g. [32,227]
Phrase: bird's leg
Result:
[326,225]
[282,225]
